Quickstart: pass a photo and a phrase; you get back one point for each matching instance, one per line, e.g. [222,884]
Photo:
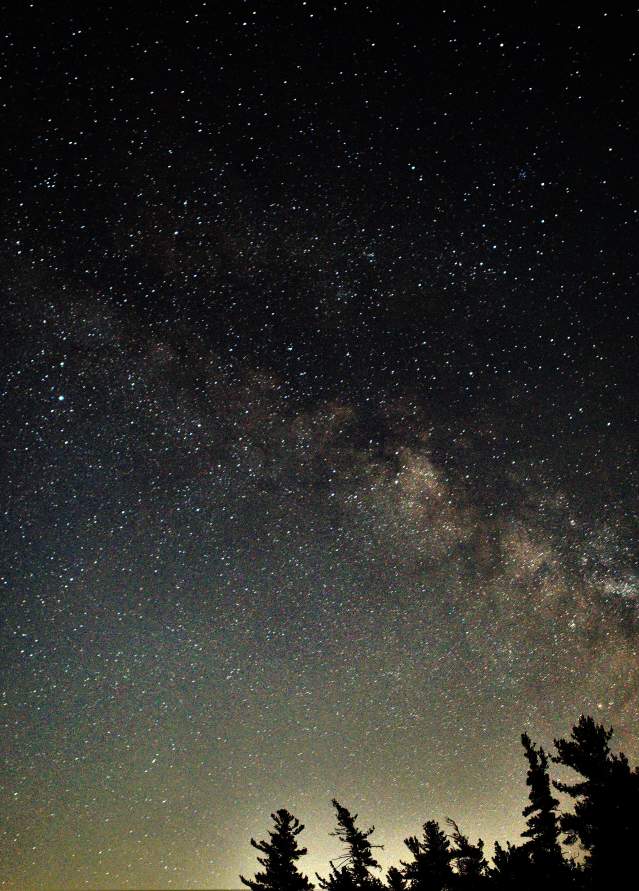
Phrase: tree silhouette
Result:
[354,866]
[511,868]
[604,822]
[395,881]
[339,878]
[606,815]
[280,870]
[542,822]
[430,868]
[470,863]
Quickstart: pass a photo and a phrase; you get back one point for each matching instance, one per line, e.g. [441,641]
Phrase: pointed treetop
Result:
[280,872]
[353,867]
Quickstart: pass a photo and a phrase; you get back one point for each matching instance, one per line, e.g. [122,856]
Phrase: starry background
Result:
[318,422]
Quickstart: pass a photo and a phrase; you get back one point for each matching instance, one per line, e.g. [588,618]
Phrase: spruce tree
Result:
[355,865]
[542,823]
[339,878]
[605,820]
[395,881]
[470,863]
[512,868]
[280,871]
[430,868]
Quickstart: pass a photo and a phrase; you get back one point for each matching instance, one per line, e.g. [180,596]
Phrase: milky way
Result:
[318,426]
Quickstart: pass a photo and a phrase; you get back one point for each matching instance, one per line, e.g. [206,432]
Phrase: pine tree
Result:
[512,868]
[542,821]
[339,878]
[430,869]
[280,870]
[395,881]
[606,815]
[471,866]
[355,865]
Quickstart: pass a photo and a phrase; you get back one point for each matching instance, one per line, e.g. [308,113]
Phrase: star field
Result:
[318,423]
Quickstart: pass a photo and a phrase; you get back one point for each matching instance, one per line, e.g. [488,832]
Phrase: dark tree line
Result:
[588,847]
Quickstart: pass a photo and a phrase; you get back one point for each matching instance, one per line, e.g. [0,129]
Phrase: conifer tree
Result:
[395,881]
[605,820]
[354,866]
[280,871]
[471,865]
[542,822]
[430,869]
[511,868]
[339,878]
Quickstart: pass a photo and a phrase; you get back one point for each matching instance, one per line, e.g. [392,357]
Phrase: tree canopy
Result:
[598,832]
[281,852]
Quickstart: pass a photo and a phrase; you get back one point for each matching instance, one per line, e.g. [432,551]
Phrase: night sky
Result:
[318,422]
